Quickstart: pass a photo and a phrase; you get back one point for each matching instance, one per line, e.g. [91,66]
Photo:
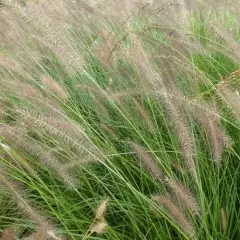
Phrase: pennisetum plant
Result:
[83,93]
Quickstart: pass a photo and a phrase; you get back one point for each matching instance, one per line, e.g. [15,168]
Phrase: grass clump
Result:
[118,128]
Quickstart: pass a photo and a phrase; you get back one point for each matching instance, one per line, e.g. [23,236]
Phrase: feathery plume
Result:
[62,129]
[144,67]
[21,88]
[9,63]
[92,89]
[41,232]
[145,115]
[44,231]
[183,195]
[2,114]
[18,158]
[26,91]
[54,87]
[175,213]
[100,108]
[99,224]
[101,209]
[226,36]
[107,53]
[224,220]
[147,161]
[229,97]
[8,234]
[233,76]
[22,204]
[98,227]
[56,42]
[179,168]
[184,135]
[212,124]
[42,153]
[109,130]
[78,163]
[218,139]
